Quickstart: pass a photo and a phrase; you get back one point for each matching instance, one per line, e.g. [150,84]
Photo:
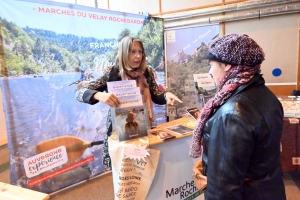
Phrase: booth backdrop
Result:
[46,49]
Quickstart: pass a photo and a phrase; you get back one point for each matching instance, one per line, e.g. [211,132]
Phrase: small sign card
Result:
[204,80]
[138,152]
[45,161]
[204,83]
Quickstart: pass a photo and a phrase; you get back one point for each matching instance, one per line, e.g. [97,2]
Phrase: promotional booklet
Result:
[190,124]
[180,129]
[126,91]
[120,84]
[162,135]
[130,120]
[205,88]
[205,84]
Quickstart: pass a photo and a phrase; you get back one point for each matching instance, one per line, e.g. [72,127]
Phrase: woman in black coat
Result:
[238,132]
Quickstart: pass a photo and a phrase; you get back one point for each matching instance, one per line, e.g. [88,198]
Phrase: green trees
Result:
[152,35]
[31,51]
[14,64]
[181,81]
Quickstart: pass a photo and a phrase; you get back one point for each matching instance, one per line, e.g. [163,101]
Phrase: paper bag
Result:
[134,177]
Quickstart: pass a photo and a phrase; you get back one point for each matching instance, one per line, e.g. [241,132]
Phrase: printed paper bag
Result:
[133,177]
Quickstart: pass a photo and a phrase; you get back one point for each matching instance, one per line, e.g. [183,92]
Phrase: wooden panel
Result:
[298,71]
[282,90]
[298,149]
[11,192]
[288,146]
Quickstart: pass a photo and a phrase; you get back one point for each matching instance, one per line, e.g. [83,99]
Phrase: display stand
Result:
[290,146]
[290,139]
[173,178]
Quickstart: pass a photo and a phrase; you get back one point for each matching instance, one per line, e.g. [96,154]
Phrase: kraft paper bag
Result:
[134,176]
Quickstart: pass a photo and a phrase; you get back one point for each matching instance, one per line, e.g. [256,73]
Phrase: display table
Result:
[173,177]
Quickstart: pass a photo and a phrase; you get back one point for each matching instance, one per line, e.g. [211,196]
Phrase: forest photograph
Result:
[184,49]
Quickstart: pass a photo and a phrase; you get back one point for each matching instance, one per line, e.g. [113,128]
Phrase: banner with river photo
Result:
[46,49]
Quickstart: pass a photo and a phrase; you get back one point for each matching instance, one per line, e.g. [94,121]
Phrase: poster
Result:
[184,47]
[46,49]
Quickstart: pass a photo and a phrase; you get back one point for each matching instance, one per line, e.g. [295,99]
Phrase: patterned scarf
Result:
[142,84]
[238,75]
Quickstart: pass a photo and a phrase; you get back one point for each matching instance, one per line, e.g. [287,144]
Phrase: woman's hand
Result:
[171,98]
[108,98]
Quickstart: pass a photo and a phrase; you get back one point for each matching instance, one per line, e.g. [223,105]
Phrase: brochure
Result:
[126,91]
[130,119]
[194,112]
[190,124]
[204,83]
[162,135]
[120,84]
[180,129]
[132,101]
[205,88]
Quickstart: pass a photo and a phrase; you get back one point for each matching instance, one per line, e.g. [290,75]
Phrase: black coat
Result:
[241,146]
